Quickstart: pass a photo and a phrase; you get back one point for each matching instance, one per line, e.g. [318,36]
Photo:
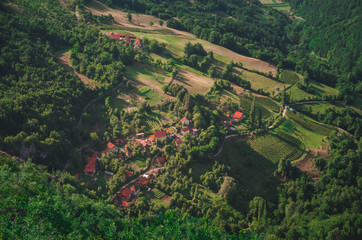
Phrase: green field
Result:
[258,81]
[157,193]
[318,89]
[289,77]
[140,162]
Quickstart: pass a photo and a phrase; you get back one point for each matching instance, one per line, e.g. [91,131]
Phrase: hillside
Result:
[175,119]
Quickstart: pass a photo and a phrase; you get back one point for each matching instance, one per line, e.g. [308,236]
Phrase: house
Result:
[143,181]
[185,130]
[178,142]
[170,132]
[161,161]
[125,194]
[159,135]
[108,173]
[119,36]
[125,205]
[195,132]
[90,168]
[238,115]
[129,173]
[112,147]
[138,44]
[184,121]
[135,190]
[140,135]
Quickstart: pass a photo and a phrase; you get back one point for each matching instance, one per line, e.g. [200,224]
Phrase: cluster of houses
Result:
[229,120]
[130,194]
[128,38]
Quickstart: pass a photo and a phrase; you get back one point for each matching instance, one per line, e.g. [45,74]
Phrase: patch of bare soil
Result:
[307,165]
[64,59]
[166,199]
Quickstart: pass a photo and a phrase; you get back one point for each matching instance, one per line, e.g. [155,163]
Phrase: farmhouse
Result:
[184,121]
[138,44]
[185,130]
[159,135]
[238,115]
[119,36]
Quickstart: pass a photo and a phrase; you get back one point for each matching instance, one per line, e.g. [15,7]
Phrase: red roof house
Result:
[125,193]
[129,173]
[238,115]
[90,169]
[178,142]
[185,130]
[125,204]
[110,145]
[118,36]
[184,121]
[143,181]
[159,134]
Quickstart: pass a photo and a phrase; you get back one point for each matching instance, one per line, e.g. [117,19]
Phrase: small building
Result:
[143,181]
[138,44]
[108,173]
[118,36]
[90,168]
[135,190]
[185,130]
[178,142]
[195,132]
[161,161]
[125,205]
[184,121]
[129,173]
[125,194]
[238,115]
[170,132]
[112,147]
[140,135]
[158,135]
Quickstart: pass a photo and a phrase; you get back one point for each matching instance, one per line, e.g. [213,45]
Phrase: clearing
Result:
[64,59]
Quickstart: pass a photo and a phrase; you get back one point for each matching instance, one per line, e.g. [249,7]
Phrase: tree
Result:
[252,113]
[174,73]
[151,23]
[160,22]
[227,188]
[129,17]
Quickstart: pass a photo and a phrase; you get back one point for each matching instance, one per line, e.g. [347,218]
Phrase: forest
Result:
[230,153]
